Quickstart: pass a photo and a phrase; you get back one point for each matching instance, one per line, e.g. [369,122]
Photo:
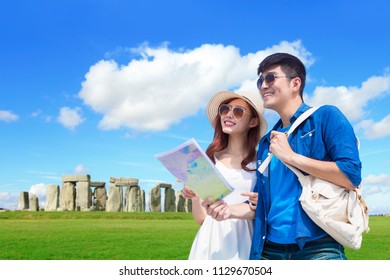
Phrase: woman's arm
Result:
[221,211]
[198,212]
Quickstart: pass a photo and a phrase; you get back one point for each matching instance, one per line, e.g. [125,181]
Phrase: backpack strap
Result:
[297,122]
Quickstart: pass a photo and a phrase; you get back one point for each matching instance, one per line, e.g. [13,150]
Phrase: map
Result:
[190,164]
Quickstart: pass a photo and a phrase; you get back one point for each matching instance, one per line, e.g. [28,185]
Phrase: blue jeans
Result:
[325,248]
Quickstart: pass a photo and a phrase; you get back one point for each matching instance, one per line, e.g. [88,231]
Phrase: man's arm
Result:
[324,170]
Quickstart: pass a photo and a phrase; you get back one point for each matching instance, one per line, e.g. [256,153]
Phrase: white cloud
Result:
[70,118]
[36,113]
[351,100]
[40,191]
[374,130]
[8,200]
[376,192]
[81,169]
[39,114]
[381,180]
[163,86]
[8,116]
[4,196]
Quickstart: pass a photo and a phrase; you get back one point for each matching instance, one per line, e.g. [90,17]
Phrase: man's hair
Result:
[290,65]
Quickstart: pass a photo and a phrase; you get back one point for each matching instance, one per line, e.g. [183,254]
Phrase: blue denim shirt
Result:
[326,135]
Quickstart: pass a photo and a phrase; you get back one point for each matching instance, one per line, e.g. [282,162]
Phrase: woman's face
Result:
[232,123]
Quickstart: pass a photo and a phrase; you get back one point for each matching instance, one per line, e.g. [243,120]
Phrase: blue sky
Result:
[100,87]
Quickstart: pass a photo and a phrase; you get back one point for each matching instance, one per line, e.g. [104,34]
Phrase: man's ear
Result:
[296,83]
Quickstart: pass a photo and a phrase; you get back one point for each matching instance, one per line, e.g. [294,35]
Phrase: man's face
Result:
[275,88]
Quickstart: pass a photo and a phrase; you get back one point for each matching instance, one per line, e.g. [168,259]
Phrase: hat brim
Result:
[220,97]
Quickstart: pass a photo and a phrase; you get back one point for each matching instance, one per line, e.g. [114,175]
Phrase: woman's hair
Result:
[221,140]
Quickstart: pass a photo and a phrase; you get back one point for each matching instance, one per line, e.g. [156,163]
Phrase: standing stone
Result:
[155,199]
[169,200]
[126,200]
[100,198]
[143,202]
[23,202]
[34,202]
[52,198]
[181,202]
[134,200]
[114,201]
[68,196]
[84,196]
[189,205]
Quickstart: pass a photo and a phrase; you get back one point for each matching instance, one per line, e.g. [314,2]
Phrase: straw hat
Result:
[251,98]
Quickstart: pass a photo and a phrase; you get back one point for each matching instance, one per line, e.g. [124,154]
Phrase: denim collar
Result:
[303,108]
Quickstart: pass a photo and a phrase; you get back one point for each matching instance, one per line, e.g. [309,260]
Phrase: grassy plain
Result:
[128,236]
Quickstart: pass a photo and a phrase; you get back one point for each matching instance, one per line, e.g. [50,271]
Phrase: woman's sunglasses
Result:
[269,78]
[238,112]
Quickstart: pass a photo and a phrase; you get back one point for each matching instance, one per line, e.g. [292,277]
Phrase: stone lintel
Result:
[164,186]
[124,182]
[97,184]
[76,178]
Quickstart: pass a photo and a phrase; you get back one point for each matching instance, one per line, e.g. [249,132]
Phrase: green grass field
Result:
[128,236]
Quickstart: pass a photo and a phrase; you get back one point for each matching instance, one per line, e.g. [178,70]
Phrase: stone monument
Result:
[52,198]
[23,203]
[34,203]
[72,199]
[99,196]
[115,195]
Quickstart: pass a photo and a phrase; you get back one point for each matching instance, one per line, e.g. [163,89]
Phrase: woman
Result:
[238,122]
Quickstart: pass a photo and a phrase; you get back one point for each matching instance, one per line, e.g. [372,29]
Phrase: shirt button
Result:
[263,237]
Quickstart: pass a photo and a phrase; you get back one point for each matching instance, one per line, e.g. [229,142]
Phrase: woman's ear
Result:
[254,122]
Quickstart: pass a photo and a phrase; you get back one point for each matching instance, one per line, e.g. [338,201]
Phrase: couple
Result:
[262,218]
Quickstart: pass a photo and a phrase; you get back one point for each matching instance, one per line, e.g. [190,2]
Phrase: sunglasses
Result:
[269,78]
[238,112]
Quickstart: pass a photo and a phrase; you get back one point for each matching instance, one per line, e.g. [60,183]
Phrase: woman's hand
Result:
[218,210]
[187,193]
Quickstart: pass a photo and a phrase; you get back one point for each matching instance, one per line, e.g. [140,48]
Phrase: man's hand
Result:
[280,147]
[252,198]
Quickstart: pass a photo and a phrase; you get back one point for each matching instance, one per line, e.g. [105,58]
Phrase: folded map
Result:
[190,164]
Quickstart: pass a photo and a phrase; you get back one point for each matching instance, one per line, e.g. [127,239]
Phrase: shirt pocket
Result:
[306,142]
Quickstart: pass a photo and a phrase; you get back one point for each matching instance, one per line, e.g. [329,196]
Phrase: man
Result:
[323,146]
